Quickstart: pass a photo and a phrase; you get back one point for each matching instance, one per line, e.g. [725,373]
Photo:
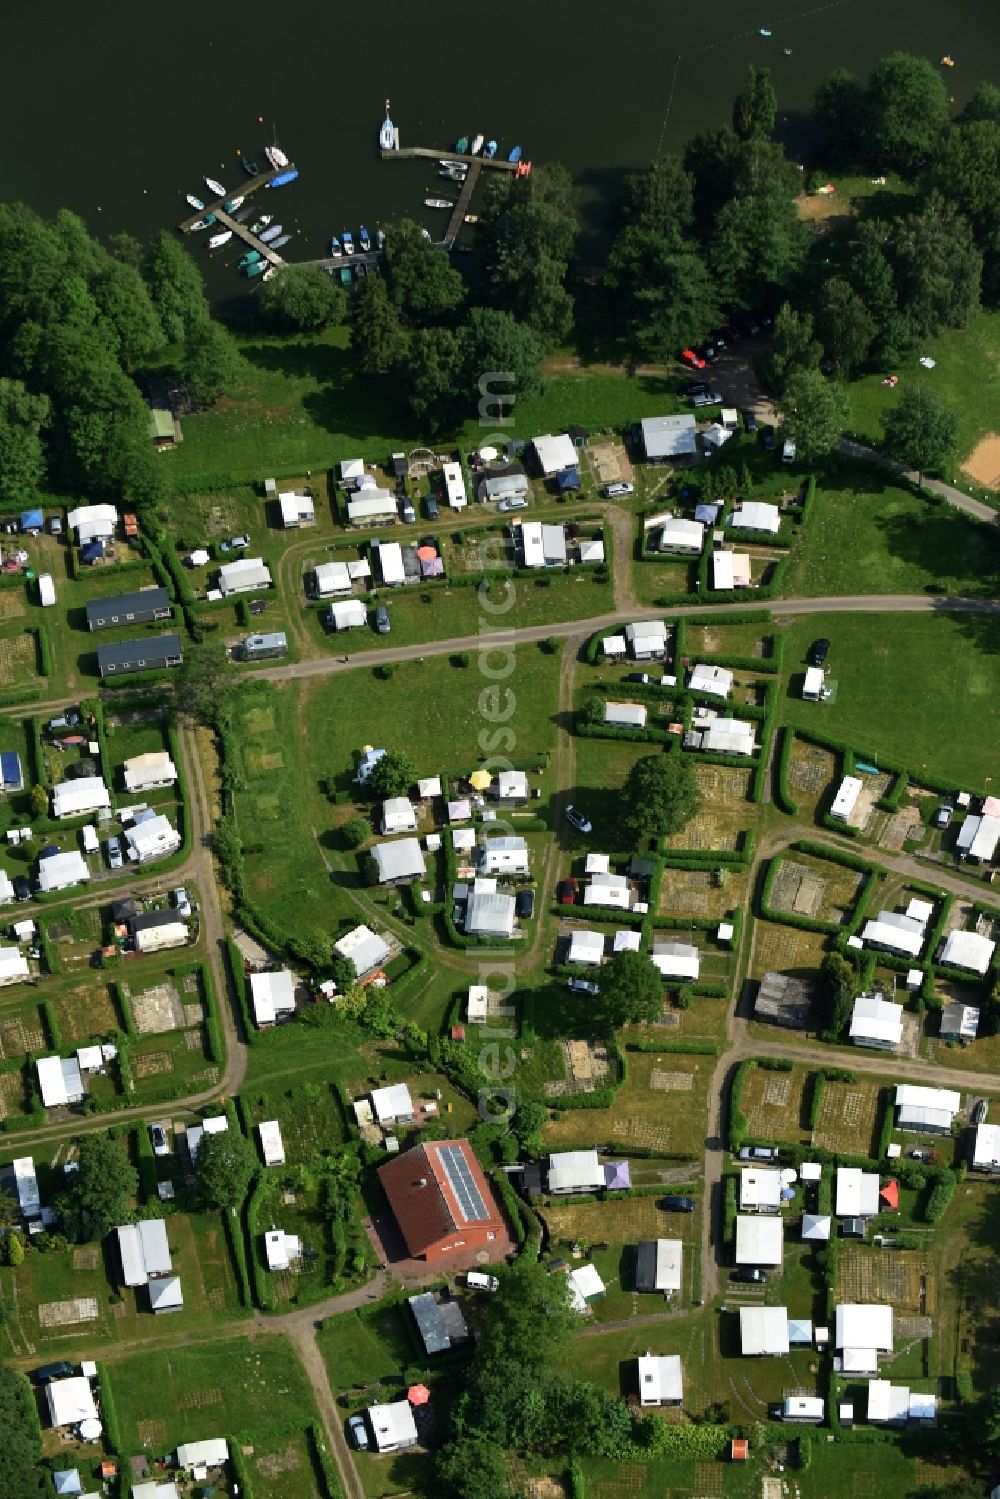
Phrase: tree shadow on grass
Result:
[344,401]
[944,546]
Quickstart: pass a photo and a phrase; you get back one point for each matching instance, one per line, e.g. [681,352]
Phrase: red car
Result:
[694,359]
[567,892]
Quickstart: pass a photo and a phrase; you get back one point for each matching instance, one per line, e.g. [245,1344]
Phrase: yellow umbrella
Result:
[480,779]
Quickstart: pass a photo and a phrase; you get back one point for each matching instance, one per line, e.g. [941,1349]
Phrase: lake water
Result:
[116,111]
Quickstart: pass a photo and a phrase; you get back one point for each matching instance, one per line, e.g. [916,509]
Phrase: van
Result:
[409,514]
[382,623]
[88,836]
[480,1282]
[612,491]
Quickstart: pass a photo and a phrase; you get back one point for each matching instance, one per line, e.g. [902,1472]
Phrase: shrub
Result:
[356,832]
[940,1197]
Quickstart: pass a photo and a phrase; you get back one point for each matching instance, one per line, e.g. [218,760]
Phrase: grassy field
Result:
[367,1347]
[913,671]
[775,1104]
[282,1467]
[660,1106]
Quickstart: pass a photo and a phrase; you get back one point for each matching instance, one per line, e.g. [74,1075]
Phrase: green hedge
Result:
[44,651]
[738,1123]
[50,1025]
[324,1464]
[885,1133]
[235,960]
[729,1210]
[511,1204]
[238,1251]
[687,1048]
[146,1164]
[782,795]
[109,1411]
[238,1463]
[941,1195]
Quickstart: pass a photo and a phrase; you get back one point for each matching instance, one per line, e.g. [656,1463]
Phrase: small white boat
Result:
[278,243]
[269,273]
[380,238]
[194,202]
[232,204]
[261,223]
[477,144]
[438,203]
[335,246]
[271,233]
[387,133]
[215,187]
[276,157]
[218,240]
[201,224]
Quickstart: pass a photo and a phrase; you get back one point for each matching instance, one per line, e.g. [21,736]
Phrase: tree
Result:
[966,174]
[845,326]
[125,303]
[815,414]
[661,795]
[378,338]
[206,683]
[529,1320]
[755,106]
[984,104]
[21,1450]
[22,453]
[356,831]
[758,240]
[211,361]
[938,270]
[660,199]
[97,1195]
[15,1250]
[302,299]
[469,1468]
[837,988]
[793,347]
[906,112]
[525,236]
[921,430]
[433,377]
[9,1210]
[662,294]
[839,109]
[175,286]
[530,1118]
[343,971]
[226,1166]
[393,775]
[421,281]
[631,992]
[872,278]
[495,341]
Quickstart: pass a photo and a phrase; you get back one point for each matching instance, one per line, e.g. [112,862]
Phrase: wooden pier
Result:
[462,206]
[242,190]
[407,153]
[248,237]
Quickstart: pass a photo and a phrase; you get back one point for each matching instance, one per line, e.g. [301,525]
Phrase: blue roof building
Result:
[32,520]
[92,552]
[568,479]
[11,775]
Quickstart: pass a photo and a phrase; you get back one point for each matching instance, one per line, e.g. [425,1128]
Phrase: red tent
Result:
[890,1195]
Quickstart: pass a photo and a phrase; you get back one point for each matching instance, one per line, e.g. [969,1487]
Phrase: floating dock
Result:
[462,206]
[240,230]
[407,153]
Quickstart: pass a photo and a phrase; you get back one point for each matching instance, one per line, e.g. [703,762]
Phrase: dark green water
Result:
[116,110]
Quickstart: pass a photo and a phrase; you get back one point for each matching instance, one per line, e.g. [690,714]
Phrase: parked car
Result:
[642,678]
[759,1153]
[408,513]
[694,388]
[22,887]
[431,508]
[235,543]
[567,891]
[943,815]
[709,398]
[749,422]
[115,856]
[980,1112]
[257,606]
[693,358]
[181,900]
[383,624]
[818,651]
[158,1138]
[524,905]
[480,1281]
[767,439]
[581,823]
[583,986]
[678,1204]
[515,503]
[358,1432]
[55,525]
[709,353]
[788,451]
[746,1276]
[64,721]
[612,491]
[59,1370]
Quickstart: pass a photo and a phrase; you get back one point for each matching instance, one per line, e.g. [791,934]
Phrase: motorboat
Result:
[380,239]
[387,133]
[243,215]
[202,224]
[515,155]
[425,232]
[261,223]
[250,167]
[249,258]
[283,178]
[438,203]
[256,268]
[364,239]
[335,248]
[362,270]
[269,273]
[233,204]
[491,150]
[218,240]
[270,234]
[462,145]
[477,145]
[215,187]
[348,242]
[276,157]
[276,244]
[193,202]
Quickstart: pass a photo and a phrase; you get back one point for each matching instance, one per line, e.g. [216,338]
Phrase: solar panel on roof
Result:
[467,1194]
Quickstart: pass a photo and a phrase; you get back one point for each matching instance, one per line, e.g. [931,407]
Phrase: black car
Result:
[524,905]
[678,1204]
[709,353]
[980,1113]
[641,677]
[60,1370]
[818,651]
[943,815]
[767,439]
[749,422]
[22,887]
[694,388]
[431,508]
[749,1277]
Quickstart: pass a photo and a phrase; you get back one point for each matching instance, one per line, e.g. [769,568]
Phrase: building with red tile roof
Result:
[441,1200]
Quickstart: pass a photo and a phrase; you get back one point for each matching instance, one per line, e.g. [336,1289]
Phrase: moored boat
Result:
[243,215]
[387,132]
[202,224]
[335,248]
[364,238]
[283,178]
[270,234]
[250,258]
[462,145]
[515,155]
[261,223]
[491,150]
[276,157]
[218,240]
[438,203]
[477,145]
[276,244]
[233,204]
[250,167]
[269,273]
[193,202]
[380,239]
[256,268]
[215,187]
[348,241]
[362,270]
[345,275]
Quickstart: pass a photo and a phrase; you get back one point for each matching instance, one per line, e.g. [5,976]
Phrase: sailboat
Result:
[215,187]
[477,144]
[218,240]
[364,238]
[380,238]
[491,150]
[387,134]
[193,202]
[276,157]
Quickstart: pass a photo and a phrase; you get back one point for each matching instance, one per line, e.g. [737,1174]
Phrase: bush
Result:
[356,832]
[940,1197]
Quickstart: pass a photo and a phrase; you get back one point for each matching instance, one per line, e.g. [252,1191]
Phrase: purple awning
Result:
[617,1176]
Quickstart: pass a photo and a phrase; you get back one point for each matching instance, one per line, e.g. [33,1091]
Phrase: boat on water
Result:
[364,238]
[425,232]
[283,178]
[348,242]
[477,144]
[202,224]
[249,166]
[276,157]
[490,150]
[515,155]
[345,275]
[270,234]
[472,218]
[218,240]
[261,223]
[362,270]
[387,133]
[335,247]
[215,187]
[276,244]
[243,215]
[462,145]
[194,202]
[269,273]
[233,204]
[380,239]
[250,258]
[438,203]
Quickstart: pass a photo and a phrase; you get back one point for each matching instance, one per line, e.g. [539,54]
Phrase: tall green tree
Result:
[984,104]
[211,361]
[175,286]
[966,173]
[758,241]
[22,453]
[755,106]
[660,796]
[432,378]
[226,1166]
[921,430]
[302,299]
[470,1468]
[21,1474]
[660,199]
[206,684]
[378,338]
[525,237]
[839,110]
[631,992]
[938,270]
[394,775]
[97,1195]
[872,278]
[906,112]
[815,414]
[793,347]
[492,341]
[9,1209]
[661,293]
[125,304]
[420,279]
[845,326]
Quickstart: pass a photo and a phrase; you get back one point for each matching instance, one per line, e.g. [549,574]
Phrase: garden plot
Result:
[17,657]
[708,894]
[733,640]
[283,1467]
[610,463]
[11,1093]
[21,1033]
[774,1104]
[873,788]
[84,1011]
[308,1116]
[53,1314]
[616,1220]
[893,1277]
[786,949]
[157,1009]
[810,773]
[848,1116]
[12,604]
[670,1121]
[900,828]
[587,1065]
[804,886]
[725,809]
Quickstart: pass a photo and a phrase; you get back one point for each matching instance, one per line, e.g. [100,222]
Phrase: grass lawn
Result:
[660,1106]
[883,1470]
[368,1347]
[297,1204]
[308,1114]
[620,1224]
[252,1385]
[776,1104]
[899,543]
[897,680]
[282,1467]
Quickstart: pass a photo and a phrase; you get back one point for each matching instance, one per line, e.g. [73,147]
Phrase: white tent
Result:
[575,1171]
[555,453]
[763,1330]
[74,798]
[857,1193]
[676,960]
[271,1144]
[586,947]
[754,515]
[70,1401]
[331,578]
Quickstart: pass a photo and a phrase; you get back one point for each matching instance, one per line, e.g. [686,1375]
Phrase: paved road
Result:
[947,492]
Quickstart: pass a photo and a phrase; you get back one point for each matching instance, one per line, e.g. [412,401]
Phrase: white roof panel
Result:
[759,1239]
